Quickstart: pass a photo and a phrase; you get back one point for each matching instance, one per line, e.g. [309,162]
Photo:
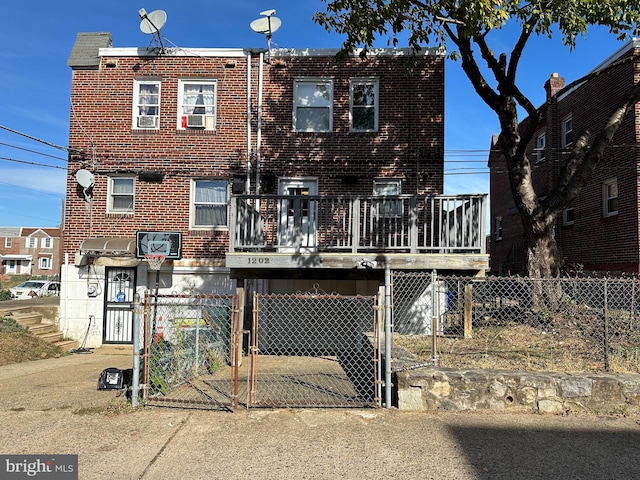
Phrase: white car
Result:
[35,288]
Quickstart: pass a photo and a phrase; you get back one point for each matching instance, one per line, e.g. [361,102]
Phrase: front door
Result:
[118,314]
[298,214]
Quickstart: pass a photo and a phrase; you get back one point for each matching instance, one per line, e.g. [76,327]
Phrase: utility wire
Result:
[59,147]
[34,151]
[32,163]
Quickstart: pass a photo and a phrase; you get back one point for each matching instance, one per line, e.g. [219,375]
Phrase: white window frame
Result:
[498,227]
[45,263]
[353,84]
[195,203]
[46,242]
[610,195]
[113,194]
[141,103]
[299,104]
[7,242]
[568,216]
[188,111]
[387,208]
[567,131]
[541,145]
[31,242]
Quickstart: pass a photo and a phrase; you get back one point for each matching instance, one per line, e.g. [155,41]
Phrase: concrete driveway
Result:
[52,407]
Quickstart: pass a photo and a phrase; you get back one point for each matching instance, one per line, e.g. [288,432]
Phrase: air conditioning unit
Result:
[147,121]
[196,121]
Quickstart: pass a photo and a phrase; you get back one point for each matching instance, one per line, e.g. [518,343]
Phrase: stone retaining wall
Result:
[503,391]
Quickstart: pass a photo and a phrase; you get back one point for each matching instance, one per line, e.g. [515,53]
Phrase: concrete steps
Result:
[33,320]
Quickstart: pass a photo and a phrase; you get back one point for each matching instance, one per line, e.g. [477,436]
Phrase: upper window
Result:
[498,227]
[391,208]
[121,194]
[541,144]
[32,242]
[363,103]
[568,216]
[567,131]
[610,197]
[7,242]
[313,105]
[47,242]
[146,104]
[197,107]
[210,199]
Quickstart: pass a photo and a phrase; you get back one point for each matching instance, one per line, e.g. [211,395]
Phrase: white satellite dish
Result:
[152,23]
[266,25]
[85,178]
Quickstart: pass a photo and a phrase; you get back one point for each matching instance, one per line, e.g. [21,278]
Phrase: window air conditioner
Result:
[147,121]
[195,121]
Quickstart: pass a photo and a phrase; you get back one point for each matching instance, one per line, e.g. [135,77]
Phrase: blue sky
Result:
[35,80]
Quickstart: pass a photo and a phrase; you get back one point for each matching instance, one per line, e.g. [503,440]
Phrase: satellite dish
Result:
[85,178]
[152,23]
[266,25]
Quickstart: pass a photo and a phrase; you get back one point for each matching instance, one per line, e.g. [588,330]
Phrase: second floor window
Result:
[498,227]
[7,242]
[121,194]
[47,243]
[210,201]
[313,105]
[541,143]
[146,104]
[610,198]
[32,242]
[197,104]
[364,105]
[391,208]
[567,131]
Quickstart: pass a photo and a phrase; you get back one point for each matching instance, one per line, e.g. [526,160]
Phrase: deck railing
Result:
[358,224]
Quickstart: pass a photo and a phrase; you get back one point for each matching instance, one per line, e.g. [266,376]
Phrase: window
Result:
[7,242]
[541,143]
[32,242]
[47,242]
[568,216]
[210,200]
[498,231]
[610,198]
[44,263]
[197,108]
[146,104]
[387,208]
[121,194]
[313,105]
[567,130]
[363,98]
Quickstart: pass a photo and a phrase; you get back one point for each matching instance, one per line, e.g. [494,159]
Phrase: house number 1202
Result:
[258,260]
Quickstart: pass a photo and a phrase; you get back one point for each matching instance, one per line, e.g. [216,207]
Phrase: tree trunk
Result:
[542,256]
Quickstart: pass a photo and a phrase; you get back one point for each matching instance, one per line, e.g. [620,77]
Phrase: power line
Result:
[33,151]
[32,163]
[59,147]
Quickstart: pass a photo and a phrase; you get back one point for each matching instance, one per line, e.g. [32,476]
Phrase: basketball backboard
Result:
[168,244]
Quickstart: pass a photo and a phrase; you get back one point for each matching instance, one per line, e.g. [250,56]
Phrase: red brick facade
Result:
[30,251]
[594,240]
[408,144]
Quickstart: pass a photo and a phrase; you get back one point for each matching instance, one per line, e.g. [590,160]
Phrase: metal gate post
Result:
[135,380]
[387,336]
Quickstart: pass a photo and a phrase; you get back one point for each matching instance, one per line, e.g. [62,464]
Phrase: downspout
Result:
[387,336]
[248,180]
[259,126]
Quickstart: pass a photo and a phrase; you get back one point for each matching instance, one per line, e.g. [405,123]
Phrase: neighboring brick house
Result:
[30,251]
[600,231]
[194,145]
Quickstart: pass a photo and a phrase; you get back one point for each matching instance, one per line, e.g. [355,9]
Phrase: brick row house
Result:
[30,251]
[600,230]
[265,171]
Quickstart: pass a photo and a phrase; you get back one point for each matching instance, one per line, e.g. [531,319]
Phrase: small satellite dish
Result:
[266,25]
[85,178]
[152,23]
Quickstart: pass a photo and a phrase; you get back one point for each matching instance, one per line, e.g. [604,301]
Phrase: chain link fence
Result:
[314,349]
[567,324]
[189,356]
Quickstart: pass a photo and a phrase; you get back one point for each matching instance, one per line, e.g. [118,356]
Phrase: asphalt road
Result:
[52,407]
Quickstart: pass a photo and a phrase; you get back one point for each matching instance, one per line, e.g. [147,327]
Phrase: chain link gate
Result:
[191,351]
[314,349]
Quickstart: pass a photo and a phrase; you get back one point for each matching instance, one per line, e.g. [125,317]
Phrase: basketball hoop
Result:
[154,261]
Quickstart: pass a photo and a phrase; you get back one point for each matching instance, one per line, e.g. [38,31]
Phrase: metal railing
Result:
[358,224]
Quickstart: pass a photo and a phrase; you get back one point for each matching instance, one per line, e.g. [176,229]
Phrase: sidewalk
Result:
[50,407]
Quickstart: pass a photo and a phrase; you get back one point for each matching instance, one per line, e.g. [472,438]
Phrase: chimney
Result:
[553,85]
